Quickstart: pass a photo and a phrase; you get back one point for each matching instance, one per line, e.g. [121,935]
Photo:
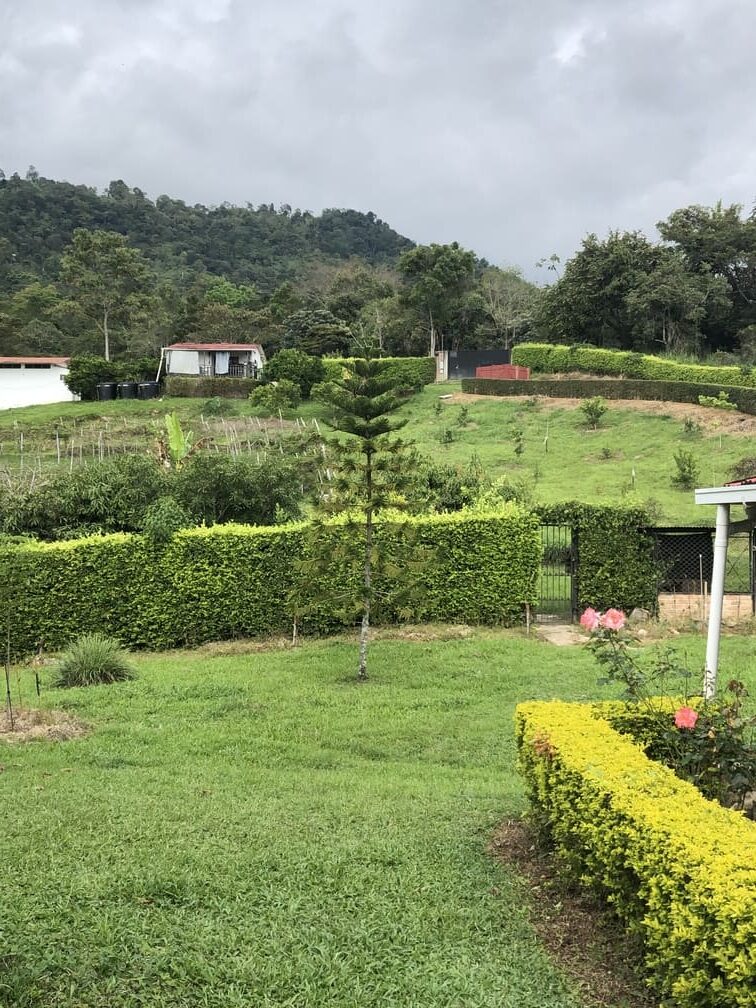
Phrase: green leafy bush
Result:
[270,399]
[238,488]
[108,496]
[677,869]
[183,386]
[297,367]
[87,371]
[219,407]
[546,358]
[411,373]
[687,471]
[163,518]
[585,388]
[722,401]
[232,581]
[744,468]
[91,660]
[593,410]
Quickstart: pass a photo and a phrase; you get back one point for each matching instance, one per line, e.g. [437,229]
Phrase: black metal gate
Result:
[462,363]
[558,584]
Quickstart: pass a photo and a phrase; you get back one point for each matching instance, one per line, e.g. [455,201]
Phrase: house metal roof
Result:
[739,492]
[748,481]
[214,346]
[56,361]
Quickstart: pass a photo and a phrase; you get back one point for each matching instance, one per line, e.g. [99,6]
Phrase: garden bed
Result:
[679,870]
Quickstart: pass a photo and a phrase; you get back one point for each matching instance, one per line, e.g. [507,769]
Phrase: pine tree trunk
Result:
[368,570]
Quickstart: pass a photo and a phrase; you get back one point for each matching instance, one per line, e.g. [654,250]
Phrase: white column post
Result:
[715,600]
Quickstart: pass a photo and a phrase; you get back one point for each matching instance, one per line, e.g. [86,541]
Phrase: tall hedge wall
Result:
[678,870]
[409,372]
[616,566]
[232,580]
[547,358]
[207,388]
[611,388]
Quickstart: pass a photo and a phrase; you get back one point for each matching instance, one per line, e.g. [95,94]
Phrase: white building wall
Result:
[33,386]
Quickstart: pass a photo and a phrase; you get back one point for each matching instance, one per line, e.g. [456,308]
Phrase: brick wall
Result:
[503,371]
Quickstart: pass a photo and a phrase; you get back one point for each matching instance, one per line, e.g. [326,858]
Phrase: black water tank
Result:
[127,390]
[148,390]
[106,391]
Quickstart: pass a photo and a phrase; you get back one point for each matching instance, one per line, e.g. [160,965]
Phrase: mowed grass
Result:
[257,829]
[630,458]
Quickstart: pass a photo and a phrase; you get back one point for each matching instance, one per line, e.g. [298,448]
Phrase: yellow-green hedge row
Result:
[231,581]
[678,869]
[549,358]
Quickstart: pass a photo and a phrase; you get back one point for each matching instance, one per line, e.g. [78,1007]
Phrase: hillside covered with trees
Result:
[116,273]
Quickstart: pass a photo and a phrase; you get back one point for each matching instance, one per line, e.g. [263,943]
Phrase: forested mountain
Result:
[260,245]
[118,273]
[115,272]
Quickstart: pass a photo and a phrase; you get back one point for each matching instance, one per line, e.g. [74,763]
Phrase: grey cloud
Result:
[512,127]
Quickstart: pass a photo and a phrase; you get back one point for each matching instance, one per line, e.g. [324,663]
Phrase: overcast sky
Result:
[512,126]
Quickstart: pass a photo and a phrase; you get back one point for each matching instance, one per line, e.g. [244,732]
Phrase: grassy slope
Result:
[572,468]
[258,830]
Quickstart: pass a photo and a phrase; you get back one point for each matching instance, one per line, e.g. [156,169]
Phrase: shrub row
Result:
[208,388]
[87,371]
[679,870]
[409,372]
[548,358]
[231,581]
[616,566]
[586,388]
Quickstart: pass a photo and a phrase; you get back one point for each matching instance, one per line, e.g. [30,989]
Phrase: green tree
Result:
[437,279]
[589,302]
[669,304]
[109,283]
[371,470]
[317,333]
[300,368]
[509,303]
[718,241]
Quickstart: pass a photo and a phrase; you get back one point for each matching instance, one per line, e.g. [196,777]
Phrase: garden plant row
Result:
[678,869]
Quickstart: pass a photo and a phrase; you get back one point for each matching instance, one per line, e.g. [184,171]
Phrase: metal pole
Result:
[715,600]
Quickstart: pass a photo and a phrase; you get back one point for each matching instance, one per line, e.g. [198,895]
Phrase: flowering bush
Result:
[709,744]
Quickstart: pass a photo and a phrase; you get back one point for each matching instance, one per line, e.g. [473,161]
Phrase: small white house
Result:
[31,381]
[214,360]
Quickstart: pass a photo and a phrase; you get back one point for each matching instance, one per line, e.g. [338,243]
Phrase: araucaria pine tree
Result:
[370,470]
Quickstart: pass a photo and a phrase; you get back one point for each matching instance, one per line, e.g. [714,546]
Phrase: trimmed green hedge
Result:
[679,871]
[231,581]
[409,372]
[182,386]
[616,566]
[586,388]
[547,358]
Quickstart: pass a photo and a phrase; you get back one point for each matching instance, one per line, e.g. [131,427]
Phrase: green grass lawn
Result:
[576,463]
[256,829]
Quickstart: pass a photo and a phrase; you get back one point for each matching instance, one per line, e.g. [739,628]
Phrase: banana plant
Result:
[177,445]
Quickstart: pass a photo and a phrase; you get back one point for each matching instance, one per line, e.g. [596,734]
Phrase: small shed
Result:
[214,360]
[31,381]
[724,497]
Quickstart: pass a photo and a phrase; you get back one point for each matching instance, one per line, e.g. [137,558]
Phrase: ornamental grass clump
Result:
[709,743]
[91,660]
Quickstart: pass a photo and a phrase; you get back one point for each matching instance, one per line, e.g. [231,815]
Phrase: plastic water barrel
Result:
[127,390]
[106,391]
[148,390]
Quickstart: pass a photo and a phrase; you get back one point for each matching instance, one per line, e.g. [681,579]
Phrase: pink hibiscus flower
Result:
[613,619]
[686,717]
[590,619]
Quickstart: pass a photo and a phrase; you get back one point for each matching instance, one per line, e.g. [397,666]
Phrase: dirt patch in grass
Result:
[712,421]
[40,725]
[581,937]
